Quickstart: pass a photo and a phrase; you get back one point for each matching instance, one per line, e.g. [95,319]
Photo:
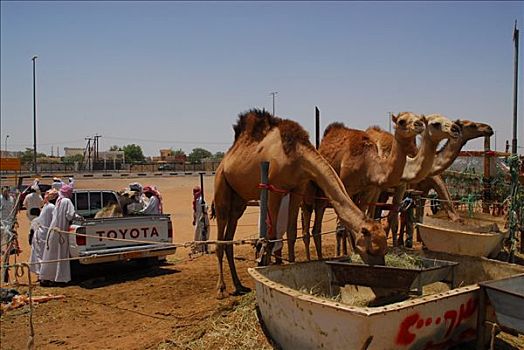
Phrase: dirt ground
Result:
[129,306]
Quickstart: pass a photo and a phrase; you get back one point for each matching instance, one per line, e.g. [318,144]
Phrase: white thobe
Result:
[282,221]
[201,224]
[6,205]
[40,226]
[152,207]
[57,246]
[32,200]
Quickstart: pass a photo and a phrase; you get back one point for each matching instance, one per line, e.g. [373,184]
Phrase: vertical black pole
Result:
[264,180]
[317,127]
[34,114]
[515,89]
[202,186]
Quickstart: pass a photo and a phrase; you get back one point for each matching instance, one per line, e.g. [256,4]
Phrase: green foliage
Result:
[115,148]
[72,159]
[27,156]
[178,152]
[133,153]
[218,155]
[197,154]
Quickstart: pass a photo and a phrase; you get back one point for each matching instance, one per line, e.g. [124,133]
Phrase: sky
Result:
[177,74]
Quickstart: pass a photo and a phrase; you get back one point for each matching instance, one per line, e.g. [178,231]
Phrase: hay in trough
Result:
[401,260]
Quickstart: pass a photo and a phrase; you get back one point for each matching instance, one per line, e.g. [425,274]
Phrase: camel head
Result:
[472,130]
[408,124]
[371,244]
[440,127]
[127,197]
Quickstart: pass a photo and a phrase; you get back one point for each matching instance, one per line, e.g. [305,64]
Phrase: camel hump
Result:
[374,128]
[334,126]
[255,123]
[292,134]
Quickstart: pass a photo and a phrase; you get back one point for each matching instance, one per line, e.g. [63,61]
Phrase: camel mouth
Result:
[374,259]
[455,131]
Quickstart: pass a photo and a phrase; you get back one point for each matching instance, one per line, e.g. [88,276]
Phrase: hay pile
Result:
[233,326]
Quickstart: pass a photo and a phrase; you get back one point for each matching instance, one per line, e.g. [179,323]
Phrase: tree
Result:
[115,148]
[133,153]
[28,154]
[197,154]
[218,156]
[178,152]
[72,159]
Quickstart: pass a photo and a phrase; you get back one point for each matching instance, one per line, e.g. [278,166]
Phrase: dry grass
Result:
[233,326]
[401,260]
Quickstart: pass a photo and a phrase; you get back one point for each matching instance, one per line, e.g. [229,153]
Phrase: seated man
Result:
[154,206]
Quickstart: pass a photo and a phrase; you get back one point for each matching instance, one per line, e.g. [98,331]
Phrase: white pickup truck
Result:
[146,236]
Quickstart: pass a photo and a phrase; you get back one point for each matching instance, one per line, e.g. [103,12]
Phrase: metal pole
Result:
[317,127]
[515,89]
[34,113]
[264,180]
[5,149]
[202,186]
[273,94]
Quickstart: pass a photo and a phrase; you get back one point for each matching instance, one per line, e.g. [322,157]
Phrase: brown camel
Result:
[113,210]
[293,162]
[446,157]
[443,159]
[364,160]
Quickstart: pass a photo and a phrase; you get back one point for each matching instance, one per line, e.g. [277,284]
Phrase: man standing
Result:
[57,247]
[200,220]
[6,204]
[33,202]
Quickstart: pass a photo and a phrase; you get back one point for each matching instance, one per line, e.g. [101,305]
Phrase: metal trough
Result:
[507,298]
[459,241]
[296,319]
[401,279]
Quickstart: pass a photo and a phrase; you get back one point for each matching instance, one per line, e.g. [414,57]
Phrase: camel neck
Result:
[419,167]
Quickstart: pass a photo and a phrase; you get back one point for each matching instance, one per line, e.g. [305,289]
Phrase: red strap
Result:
[273,188]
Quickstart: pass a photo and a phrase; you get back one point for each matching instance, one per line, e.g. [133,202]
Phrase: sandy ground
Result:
[129,306]
[126,306]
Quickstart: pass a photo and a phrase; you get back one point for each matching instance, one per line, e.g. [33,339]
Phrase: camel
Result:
[362,164]
[446,157]
[115,210]
[259,137]
[443,159]
[369,173]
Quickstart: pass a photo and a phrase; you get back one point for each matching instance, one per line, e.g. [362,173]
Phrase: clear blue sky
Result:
[177,74]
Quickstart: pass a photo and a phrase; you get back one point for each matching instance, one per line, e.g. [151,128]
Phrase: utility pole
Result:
[273,94]
[34,113]
[96,137]
[515,88]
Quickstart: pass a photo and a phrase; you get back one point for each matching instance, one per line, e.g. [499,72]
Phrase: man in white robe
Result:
[154,206]
[57,246]
[33,202]
[40,226]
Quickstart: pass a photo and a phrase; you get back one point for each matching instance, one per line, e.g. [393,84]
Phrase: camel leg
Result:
[238,206]
[227,214]
[222,203]
[320,208]
[294,206]
[273,208]
[307,210]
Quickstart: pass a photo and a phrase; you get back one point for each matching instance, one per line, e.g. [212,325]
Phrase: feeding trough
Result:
[468,238]
[401,279]
[297,319]
[507,298]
